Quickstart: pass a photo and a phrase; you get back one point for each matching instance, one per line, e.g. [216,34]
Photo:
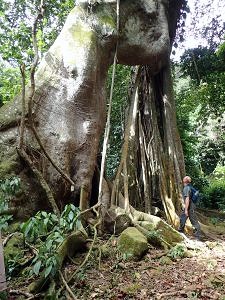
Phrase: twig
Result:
[7,239]
[18,292]
[32,248]
[92,244]
[37,296]
[173,293]
[89,252]
[97,205]
[99,258]
[66,286]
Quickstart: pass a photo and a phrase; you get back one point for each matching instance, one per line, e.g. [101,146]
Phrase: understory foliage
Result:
[45,231]
[10,84]
[200,96]
[214,193]
[16,45]
[8,188]
[118,116]
[49,231]
[17,19]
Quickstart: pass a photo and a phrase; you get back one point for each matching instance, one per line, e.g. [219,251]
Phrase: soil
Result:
[108,275]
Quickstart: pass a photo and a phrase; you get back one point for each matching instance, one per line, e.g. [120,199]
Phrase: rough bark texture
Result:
[69,103]
[152,151]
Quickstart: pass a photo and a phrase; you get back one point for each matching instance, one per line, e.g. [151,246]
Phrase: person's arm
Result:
[187,201]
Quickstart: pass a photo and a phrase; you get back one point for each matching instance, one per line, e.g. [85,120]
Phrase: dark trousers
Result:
[193,219]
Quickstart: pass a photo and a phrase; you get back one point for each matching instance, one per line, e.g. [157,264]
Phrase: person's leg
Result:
[183,219]
[194,221]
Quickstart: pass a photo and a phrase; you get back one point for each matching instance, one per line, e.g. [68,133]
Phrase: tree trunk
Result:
[153,153]
[69,109]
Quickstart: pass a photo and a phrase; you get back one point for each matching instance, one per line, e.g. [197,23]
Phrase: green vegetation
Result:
[214,193]
[8,189]
[177,252]
[200,99]
[118,116]
[47,231]
[16,25]
[10,84]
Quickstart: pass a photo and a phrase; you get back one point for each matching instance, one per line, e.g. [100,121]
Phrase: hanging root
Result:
[41,180]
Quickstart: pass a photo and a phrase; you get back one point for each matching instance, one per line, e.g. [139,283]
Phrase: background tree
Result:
[200,103]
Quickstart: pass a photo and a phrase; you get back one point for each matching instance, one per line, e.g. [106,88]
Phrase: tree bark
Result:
[69,108]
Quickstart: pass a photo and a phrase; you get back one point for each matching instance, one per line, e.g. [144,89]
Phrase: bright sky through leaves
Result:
[201,14]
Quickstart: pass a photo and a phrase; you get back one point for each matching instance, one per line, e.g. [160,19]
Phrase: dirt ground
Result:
[199,276]
[107,275]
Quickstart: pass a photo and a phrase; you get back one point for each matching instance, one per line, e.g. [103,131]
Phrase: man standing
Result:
[189,209]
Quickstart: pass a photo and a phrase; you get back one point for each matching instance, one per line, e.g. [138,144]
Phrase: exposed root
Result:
[90,250]
[74,243]
[7,239]
[66,286]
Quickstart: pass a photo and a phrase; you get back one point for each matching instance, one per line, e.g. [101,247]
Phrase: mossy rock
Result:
[132,243]
[9,167]
[14,247]
[167,233]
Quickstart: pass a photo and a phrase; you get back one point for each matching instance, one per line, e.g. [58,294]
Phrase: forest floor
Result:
[156,276]
[201,275]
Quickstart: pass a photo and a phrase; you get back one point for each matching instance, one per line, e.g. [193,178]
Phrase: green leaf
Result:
[49,244]
[71,215]
[28,228]
[48,271]
[54,218]
[44,214]
[36,267]
[46,221]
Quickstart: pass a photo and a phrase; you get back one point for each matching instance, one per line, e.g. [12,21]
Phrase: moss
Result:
[168,234]
[13,227]
[132,289]
[10,112]
[8,168]
[14,247]
[108,21]
[82,36]
[165,260]
[132,243]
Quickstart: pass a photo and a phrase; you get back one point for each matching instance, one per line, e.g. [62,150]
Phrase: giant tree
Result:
[65,112]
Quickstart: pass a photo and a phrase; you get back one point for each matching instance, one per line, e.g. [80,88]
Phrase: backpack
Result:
[194,195]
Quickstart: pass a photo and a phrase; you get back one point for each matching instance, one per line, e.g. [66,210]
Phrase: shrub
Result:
[214,195]
[8,189]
